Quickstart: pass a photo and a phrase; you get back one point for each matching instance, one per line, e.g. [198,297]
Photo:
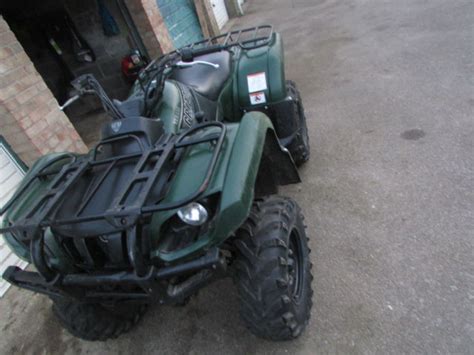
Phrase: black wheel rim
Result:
[295,265]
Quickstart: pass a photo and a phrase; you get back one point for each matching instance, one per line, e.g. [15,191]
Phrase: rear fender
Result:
[267,60]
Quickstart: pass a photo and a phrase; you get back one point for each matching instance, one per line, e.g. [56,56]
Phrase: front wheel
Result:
[273,270]
[91,321]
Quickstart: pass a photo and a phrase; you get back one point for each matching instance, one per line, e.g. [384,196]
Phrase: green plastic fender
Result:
[19,208]
[269,60]
[234,179]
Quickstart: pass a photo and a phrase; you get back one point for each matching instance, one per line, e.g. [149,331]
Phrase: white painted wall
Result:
[10,176]
[220,11]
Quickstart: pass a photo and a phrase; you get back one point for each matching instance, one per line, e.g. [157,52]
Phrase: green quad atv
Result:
[180,191]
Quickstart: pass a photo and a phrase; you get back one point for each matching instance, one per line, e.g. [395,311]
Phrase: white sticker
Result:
[257,82]
[258,98]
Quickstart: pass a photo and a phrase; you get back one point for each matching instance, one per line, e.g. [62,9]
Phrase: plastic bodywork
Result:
[248,136]
[233,182]
[268,60]
[57,257]
[235,96]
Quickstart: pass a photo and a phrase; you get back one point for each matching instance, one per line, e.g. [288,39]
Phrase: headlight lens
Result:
[193,214]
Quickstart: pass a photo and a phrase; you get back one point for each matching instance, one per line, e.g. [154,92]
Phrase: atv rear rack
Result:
[248,38]
[119,215]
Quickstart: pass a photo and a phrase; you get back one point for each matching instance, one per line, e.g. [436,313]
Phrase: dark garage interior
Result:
[65,39]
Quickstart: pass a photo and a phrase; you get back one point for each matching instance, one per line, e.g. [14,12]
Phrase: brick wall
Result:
[29,116]
[151,26]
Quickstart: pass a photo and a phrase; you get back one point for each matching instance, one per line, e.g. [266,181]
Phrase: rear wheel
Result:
[299,147]
[90,321]
[273,270]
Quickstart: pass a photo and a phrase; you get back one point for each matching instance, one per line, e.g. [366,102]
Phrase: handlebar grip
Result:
[207,50]
[188,54]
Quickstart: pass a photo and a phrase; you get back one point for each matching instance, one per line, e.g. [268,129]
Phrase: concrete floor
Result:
[388,193]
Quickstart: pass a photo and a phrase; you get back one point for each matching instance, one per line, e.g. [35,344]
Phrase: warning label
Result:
[257,82]
[258,98]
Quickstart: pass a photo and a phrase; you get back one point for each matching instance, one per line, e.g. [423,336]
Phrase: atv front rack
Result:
[143,278]
[41,213]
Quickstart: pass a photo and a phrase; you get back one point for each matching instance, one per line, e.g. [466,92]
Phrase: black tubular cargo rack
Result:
[124,217]
[40,214]
[248,38]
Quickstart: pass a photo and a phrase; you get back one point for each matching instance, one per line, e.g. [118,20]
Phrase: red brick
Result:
[52,118]
[27,122]
[37,128]
[3,25]
[30,68]
[11,130]
[11,104]
[6,118]
[10,77]
[6,52]
[7,38]
[16,47]
[27,94]
[6,66]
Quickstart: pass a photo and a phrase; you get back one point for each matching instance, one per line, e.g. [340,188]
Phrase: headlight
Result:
[193,214]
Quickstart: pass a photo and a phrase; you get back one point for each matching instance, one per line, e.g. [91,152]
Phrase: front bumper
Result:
[122,286]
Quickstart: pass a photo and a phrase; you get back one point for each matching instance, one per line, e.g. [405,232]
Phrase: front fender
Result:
[234,179]
[20,207]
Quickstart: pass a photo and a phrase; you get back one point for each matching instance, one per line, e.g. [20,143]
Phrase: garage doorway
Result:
[68,38]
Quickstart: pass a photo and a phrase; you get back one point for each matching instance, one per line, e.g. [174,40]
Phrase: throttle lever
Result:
[182,64]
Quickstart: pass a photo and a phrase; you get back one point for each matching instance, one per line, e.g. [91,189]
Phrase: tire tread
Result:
[261,276]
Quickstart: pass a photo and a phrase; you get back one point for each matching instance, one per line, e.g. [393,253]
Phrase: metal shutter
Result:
[181,20]
[11,173]
[220,11]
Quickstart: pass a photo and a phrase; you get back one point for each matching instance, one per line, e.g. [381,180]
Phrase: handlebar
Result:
[206,50]
[188,53]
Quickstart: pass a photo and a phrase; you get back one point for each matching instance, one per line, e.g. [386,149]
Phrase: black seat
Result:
[206,80]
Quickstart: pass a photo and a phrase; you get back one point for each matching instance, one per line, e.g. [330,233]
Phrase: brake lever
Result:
[70,101]
[182,64]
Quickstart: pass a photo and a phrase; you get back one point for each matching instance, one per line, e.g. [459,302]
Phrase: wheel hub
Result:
[295,267]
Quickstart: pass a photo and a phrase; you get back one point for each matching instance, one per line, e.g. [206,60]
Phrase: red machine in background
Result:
[132,64]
